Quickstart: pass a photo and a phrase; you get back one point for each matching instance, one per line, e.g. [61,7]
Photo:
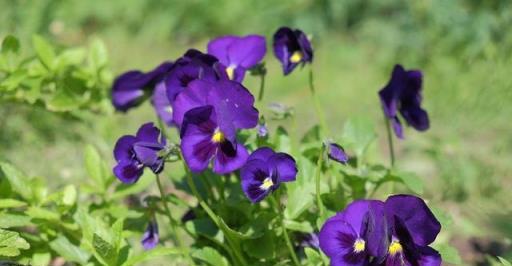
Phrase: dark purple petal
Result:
[148,133]
[291,47]
[310,240]
[397,127]
[416,117]
[218,47]
[262,153]
[128,88]
[150,238]
[148,154]
[124,148]
[390,94]
[162,104]
[194,96]
[337,237]
[128,171]
[417,217]
[284,166]
[336,153]
[234,106]
[253,175]
[229,157]
[429,257]
[247,51]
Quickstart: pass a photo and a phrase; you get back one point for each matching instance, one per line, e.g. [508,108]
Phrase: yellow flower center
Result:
[218,136]
[296,57]
[359,245]
[267,183]
[395,248]
[230,71]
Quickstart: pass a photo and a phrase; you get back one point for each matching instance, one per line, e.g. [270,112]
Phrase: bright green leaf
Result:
[211,256]
[298,226]
[69,251]
[152,254]
[94,166]
[10,44]
[44,51]
[14,220]
[11,243]
[104,250]
[262,248]
[11,203]
[41,259]
[19,182]
[40,213]
[448,253]
[69,195]
[314,258]
[504,261]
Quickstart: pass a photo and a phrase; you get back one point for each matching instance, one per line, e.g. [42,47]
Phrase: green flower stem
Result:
[174,231]
[213,216]
[390,142]
[274,202]
[319,163]
[262,87]
[319,113]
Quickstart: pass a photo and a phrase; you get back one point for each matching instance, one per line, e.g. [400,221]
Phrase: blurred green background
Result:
[464,48]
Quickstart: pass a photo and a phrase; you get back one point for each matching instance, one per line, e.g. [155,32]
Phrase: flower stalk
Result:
[277,208]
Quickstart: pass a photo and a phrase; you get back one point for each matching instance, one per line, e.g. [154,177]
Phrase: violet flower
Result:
[412,227]
[130,88]
[203,141]
[193,65]
[150,238]
[133,153]
[356,235]
[336,152]
[162,104]
[403,94]
[264,171]
[238,54]
[292,48]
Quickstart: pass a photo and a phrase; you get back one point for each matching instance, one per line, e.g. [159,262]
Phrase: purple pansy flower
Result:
[310,240]
[162,104]
[233,104]
[412,227]
[133,153]
[193,65]
[292,48]
[356,235]
[129,88]
[403,94]
[238,54]
[203,141]
[150,238]
[336,152]
[264,171]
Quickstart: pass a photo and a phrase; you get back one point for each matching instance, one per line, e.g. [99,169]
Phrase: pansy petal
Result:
[247,51]
[148,133]
[197,151]
[417,217]
[150,238]
[229,157]
[194,96]
[123,148]
[218,47]
[128,172]
[397,127]
[336,153]
[285,166]
[147,152]
[337,237]
[162,104]
[262,154]
[349,260]
[252,174]
[429,257]
[416,117]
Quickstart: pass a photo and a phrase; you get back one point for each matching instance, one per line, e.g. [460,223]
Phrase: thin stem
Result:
[213,216]
[262,87]
[319,113]
[274,202]
[174,230]
[317,179]
[390,142]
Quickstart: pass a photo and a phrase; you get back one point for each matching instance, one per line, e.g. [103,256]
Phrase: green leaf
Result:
[359,133]
[40,213]
[41,259]
[19,182]
[504,261]
[94,166]
[314,258]
[69,251]
[106,252]
[14,220]
[300,227]
[211,256]
[98,54]
[152,254]
[233,233]
[69,195]
[44,51]
[300,198]
[282,140]
[204,227]
[11,203]
[448,253]
[10,44]
[261,248]
[11,243]
[411,180]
